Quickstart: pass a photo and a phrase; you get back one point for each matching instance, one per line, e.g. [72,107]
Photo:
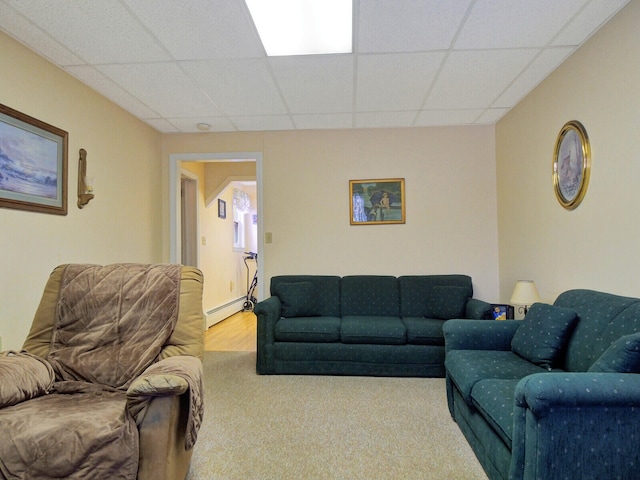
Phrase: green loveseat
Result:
[556,396]
[362,324]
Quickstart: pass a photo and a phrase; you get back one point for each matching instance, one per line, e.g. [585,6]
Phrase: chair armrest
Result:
[471,335]
[576,425]
[268,312]
[22,377]
[478,309]
[158,384]
[177,375]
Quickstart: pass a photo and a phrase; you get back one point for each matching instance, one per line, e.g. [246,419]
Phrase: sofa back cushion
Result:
[604,318]
[308,295]
[423,295]
[370,295]
[623,356]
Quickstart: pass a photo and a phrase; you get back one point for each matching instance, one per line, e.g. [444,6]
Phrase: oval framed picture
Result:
[571,164]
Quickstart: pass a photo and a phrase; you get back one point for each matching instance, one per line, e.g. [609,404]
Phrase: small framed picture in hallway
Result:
[222,209]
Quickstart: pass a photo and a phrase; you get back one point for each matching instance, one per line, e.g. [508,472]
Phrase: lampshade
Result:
[525,293]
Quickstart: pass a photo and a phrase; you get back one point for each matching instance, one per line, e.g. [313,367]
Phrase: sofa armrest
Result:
[268,312]
[576,425]
[471,335]
[22,377]
[478,309]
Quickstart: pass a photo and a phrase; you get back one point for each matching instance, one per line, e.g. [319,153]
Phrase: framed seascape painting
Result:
[33,164]
[377,202]
[571,164]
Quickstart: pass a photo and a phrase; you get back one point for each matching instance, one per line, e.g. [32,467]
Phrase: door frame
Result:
[175,160]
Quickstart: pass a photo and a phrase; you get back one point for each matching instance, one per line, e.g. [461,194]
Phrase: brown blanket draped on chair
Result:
[79,415]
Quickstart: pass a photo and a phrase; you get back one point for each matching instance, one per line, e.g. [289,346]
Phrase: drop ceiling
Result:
[177,63]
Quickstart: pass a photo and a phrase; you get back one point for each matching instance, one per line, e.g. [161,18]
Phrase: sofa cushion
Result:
[305,329]
[415,291]
[372,295]
[604,318]
[467,367]
[326,292]
[378,330]
[495,400]
[424,331]
[297,299]
[447,302]
[623,356]
[544,333]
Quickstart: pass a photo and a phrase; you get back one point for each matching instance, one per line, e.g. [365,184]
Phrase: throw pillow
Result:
[297,299]
[623,356]
[447,302]
[543,334]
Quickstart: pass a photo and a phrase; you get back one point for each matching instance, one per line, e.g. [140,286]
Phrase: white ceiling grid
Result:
[175,64]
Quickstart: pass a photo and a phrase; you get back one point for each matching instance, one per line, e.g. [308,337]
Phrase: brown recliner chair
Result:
[109,382]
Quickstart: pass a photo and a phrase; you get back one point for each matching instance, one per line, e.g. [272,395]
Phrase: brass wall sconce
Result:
[85,184]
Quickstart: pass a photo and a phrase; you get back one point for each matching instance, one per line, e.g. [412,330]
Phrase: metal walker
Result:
[251,300]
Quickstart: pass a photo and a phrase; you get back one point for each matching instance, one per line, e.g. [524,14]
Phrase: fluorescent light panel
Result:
[303,27]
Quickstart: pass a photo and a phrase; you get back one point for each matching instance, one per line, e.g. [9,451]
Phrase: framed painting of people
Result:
[377,202]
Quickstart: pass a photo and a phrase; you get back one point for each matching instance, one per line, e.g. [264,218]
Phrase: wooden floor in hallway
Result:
[234,334]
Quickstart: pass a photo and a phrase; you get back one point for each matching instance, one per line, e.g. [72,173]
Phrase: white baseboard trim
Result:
[221,312]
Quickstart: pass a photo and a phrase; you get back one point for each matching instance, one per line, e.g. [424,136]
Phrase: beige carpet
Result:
[324,427]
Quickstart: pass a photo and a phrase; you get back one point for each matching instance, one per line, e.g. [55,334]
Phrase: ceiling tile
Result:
[163,85]
[105,86]
[501,24]
[98,32]
[416,62]
[492,115]
[238,87]
[408,26]
[272,122]
[395,82]
[589,19]
[323,121]
[471,80]
[315,84]
[19,27]
[162,125]
[430,118]
[200,29]
[384,119]
[218,124]
[540,68]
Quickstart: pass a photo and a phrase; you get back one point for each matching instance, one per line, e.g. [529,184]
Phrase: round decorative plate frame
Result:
[571,164]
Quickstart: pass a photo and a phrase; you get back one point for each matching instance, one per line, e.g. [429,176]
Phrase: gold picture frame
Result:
[377,202]
[571,164]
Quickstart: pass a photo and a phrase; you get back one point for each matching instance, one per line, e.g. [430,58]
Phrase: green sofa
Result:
[556,396]
[361,324]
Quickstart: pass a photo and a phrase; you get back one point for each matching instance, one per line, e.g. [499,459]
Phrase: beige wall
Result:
[450,188]
[597,245]
[123,223]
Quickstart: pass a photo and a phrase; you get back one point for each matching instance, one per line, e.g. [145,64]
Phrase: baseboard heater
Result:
[221,312]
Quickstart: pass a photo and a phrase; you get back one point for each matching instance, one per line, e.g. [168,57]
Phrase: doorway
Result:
[178,244]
